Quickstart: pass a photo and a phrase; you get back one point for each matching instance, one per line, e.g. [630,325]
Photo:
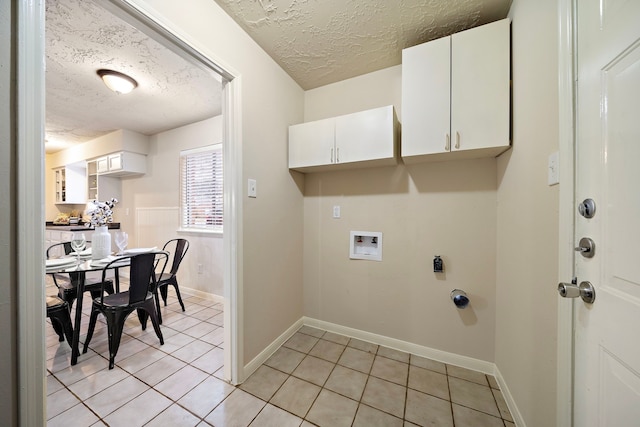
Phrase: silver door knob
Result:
[584,290]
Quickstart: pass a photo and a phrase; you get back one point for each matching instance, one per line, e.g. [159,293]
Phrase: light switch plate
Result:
[336,211]
[252,190]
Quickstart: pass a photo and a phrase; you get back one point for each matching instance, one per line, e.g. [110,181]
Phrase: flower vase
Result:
[100,243]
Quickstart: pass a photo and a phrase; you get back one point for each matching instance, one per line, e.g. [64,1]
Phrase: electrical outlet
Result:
[336,211]
[200,269]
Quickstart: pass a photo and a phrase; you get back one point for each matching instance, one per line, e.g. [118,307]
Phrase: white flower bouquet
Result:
[102,213]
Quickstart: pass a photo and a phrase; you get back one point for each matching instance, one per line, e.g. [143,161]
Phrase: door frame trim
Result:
[30,215]
[566,142]
[139,14]
[30,76]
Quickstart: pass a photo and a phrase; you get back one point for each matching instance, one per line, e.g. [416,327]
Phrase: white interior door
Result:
[607,332]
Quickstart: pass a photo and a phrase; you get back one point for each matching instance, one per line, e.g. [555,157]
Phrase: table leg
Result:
[78,278]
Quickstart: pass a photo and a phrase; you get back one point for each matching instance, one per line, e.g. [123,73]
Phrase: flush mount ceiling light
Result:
[117,82]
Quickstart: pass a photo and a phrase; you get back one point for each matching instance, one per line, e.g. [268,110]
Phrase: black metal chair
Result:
[140,296]
[68,288]
[179,248]
[58,312]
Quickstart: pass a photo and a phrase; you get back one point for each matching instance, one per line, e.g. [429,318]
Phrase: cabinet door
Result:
[426,82]
[366,135]
[102,164]
[59,177]
[480,87]
[47,240]
[76,183]
[92,180]
[54,238]
[115,162]
[312,143]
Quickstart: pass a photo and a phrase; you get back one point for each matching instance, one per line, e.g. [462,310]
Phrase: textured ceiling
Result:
[318,42]
[82,37]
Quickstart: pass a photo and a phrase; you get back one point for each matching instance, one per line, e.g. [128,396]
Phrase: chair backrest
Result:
[66,247]
[141,273]
[180,248]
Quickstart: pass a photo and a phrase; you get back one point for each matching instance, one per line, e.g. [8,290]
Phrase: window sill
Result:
[200,231]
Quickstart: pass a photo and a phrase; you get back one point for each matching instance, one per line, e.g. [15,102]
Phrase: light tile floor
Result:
[315,378]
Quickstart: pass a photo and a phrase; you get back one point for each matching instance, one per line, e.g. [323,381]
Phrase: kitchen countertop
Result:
[49,225]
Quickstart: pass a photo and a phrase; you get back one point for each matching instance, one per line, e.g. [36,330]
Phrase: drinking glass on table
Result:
[78,243]
[121,241]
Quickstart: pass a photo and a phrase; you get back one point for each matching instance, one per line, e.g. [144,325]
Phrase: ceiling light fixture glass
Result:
[117,82]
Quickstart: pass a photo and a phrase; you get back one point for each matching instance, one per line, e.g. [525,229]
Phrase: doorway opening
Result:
[231,212]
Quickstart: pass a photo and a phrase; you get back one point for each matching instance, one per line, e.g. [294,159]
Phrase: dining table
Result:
[77,269]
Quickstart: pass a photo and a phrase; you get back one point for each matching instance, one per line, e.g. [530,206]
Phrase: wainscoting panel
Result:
[154,226]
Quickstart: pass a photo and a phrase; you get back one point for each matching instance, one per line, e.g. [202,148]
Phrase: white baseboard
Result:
[202,294]
[418,350]
[262,357]
[508,397]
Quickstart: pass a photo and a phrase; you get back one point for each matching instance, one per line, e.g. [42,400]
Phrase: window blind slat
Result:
[202,188]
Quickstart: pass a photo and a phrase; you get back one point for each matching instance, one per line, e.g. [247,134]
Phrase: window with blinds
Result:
[201,188]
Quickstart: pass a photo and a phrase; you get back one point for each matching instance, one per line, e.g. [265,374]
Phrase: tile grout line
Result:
[129,374]
[347,344]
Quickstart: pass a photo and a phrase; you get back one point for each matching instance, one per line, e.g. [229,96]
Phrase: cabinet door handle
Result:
[332,155]
[447,144]
[457,140]
[338,155]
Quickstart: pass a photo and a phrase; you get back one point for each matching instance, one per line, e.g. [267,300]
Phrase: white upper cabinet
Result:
[70,184]
[366,136]
[312,144]
[456,95]
[481,88]
[100,186]
[122,164]
[426,98]
[364,139]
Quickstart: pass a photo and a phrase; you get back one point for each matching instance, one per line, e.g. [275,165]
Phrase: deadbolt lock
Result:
[586,247]
[587,208]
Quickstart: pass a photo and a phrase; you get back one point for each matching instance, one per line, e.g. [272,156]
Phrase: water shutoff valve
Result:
[459,298]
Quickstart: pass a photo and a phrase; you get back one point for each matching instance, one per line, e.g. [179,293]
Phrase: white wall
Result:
[270,262]
[423,210]
[158,189]
[526,297]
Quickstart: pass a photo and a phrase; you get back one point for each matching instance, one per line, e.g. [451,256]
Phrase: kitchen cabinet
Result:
[52,237]
[122,164]
[364,139]
[101,187]
[456,95]
[70,184]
